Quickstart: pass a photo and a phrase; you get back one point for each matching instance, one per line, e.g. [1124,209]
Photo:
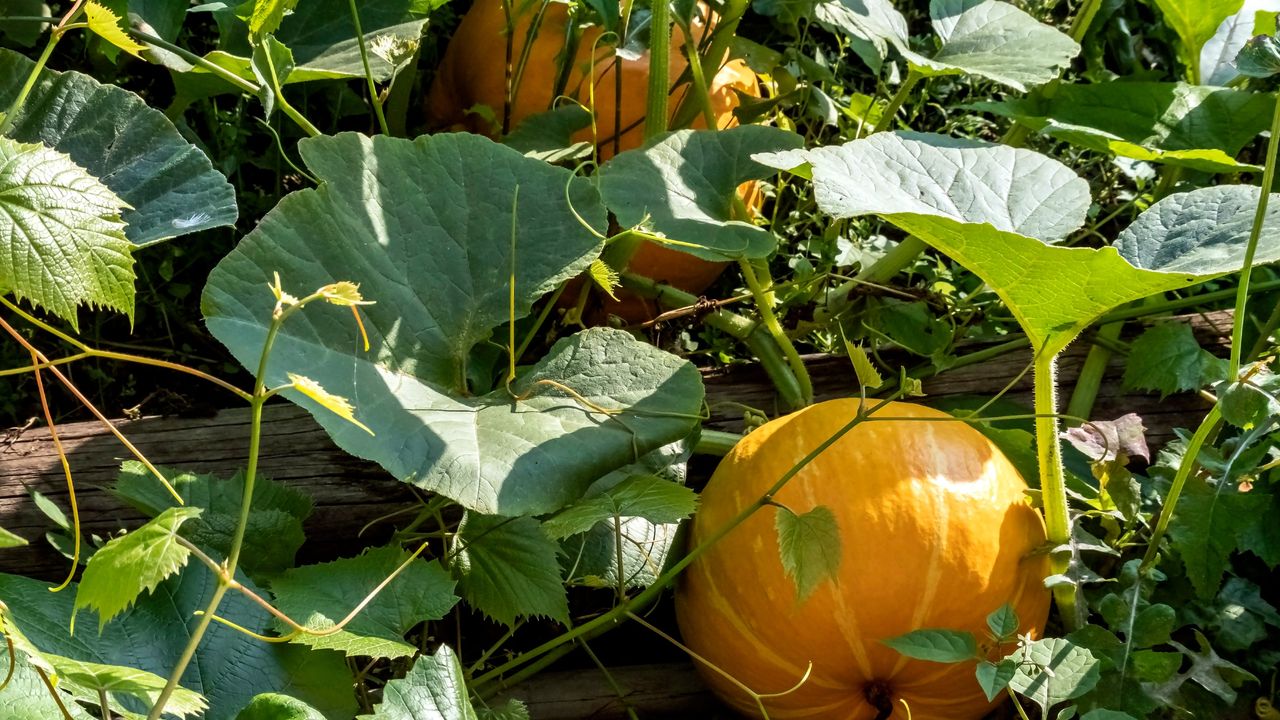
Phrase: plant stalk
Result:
[368,72]
[656,112]
[1053,487]
[764,300]
[891,110]
[15,107]
[1242,292]
[1190,459]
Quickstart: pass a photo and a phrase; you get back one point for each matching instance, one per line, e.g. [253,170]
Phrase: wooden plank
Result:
[670,690]
[350,493]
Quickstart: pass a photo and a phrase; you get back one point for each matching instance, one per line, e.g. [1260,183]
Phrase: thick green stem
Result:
[701,92]
[715,442]
[1053,487]
[891,111]
[368,72]
[1162,306]
[764,300]
[1242,292]
[656,113]
[899,257]
[15,107]
[1189,463]
[727,28]
[1089,382]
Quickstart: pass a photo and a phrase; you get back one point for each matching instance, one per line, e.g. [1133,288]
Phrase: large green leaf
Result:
[434,689]
[683,185]
[229,668]
[132,564]
[996,210]
[987,38]
[1195,21]
[652,498]
[319,596]
[169,185]
[425,228]
[275,520]
[62,242]
[1193,126]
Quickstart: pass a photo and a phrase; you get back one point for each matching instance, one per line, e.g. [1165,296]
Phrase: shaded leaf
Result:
[319,596]
[684,186]
[645,496]
[1207,670]
[1167,358]
[1208,526]
[169,186]
[61,237]
[507,569]
[1260,57]
[273,706]
[117,680]
[591,558]
[548,136]
[135,563]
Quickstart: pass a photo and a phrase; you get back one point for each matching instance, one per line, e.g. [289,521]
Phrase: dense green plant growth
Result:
[945,184]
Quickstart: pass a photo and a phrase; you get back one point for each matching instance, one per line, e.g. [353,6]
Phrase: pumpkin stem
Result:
[880,695]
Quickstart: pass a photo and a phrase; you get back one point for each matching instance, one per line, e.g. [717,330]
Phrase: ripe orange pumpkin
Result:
[935,533]
[473,72]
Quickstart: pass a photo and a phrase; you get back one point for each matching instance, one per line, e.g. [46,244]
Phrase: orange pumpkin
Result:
[935,533]
[473,72]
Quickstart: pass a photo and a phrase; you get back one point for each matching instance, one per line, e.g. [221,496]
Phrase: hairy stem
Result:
[1053,488]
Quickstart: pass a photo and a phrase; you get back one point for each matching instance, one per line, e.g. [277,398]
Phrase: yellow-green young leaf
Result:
[121,680]
[62,242]
[868,376]
[106,25]
[10,540]
[267,15]
[127,566]
[810,547]
[1196,21]
[604,276]
[335,404]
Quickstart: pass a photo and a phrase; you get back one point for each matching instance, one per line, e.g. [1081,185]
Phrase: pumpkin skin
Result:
[935,531]
[473,72]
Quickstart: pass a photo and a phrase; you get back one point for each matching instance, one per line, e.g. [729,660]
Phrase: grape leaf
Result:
[61,237]
[106,25]
[645,496]
[25,697]
[809,546]
[507,568]
[127,566]
[1167,359]
[434,689]
[319,596]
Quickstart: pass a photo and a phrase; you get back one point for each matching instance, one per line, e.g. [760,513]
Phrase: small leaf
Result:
[50,510]
[1003,622]
[1207,670]
[605,277]
[943,646]
[62,243]
[107,25]
[1166,358]
[512,709]
[319,596]
[1152,626]
[994,678]
[1260,57]
[335,404]
[434,689]
[274,706]
[507,568]
[1054,670]
[267,15]
[10,540]
[865,370]
[127,566]
[809,545]
[653,498]
[1110,440]
[272,64]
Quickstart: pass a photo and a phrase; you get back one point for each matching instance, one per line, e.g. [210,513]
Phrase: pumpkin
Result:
[935,532]
[473,72]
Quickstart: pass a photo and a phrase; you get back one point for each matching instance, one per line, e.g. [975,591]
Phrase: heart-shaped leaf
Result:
[168,184]
[425,228]
[62,242]
[996,209]
[684,186]
[1194,126]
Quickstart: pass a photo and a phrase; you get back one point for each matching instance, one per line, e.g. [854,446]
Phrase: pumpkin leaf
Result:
[168,186]
[1259,57]
[684,184]
[942,646]
[274,706]
[548,136]
[1193,126]
[507,569]
[61,235]
[1054,670]
[653,498]
[135,563]
[434,689]
[997,210]
[24,34]
[163,618]
[809,545]
[319,596]
[387,209]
